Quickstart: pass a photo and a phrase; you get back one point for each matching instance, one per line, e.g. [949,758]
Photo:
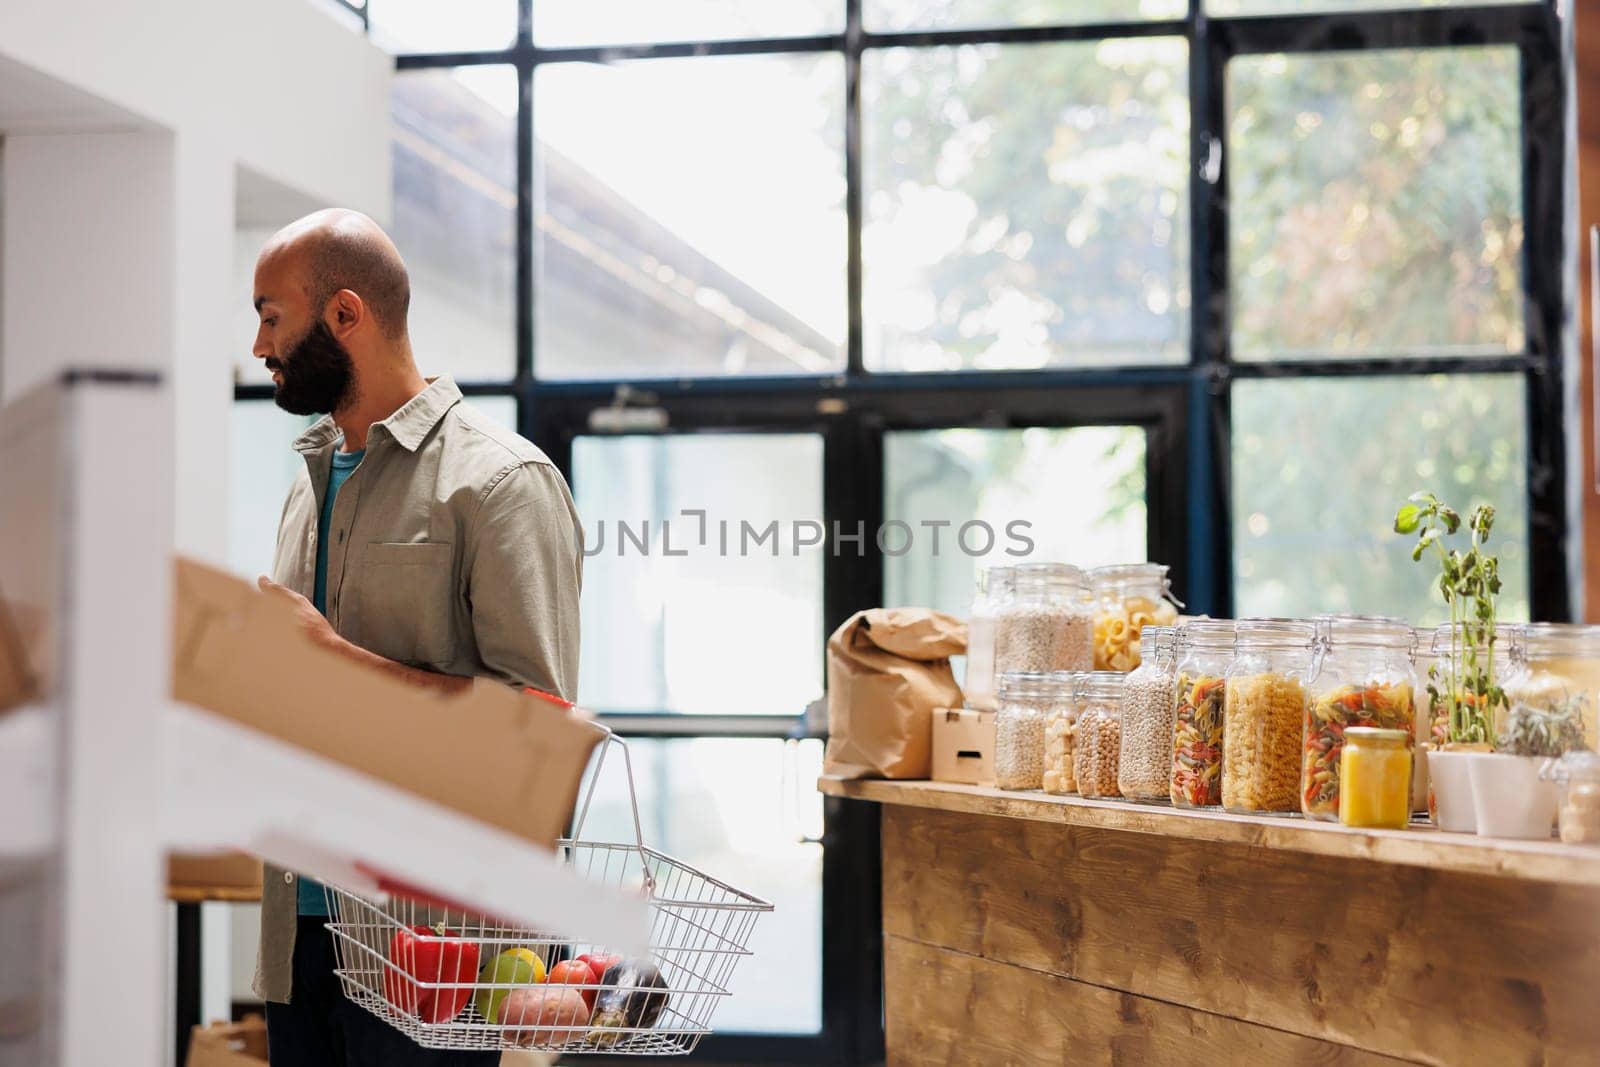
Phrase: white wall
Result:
[277,85]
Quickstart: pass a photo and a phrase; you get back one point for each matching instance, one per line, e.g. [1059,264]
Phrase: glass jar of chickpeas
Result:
[1128,597]
[1263,714]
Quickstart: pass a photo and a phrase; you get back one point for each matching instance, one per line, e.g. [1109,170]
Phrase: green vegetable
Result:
[1470,584]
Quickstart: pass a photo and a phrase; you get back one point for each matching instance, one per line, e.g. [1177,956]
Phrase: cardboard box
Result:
[241,1044]
[506,758]
[221,876]
[963,746]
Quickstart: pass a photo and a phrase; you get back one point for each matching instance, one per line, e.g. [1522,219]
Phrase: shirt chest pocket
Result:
[405,600]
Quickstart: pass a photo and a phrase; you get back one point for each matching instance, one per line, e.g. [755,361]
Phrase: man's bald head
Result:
[340,249]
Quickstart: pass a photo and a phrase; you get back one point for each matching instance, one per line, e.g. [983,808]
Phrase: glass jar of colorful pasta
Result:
[1364,679]
[1263,713]
[1145,763]
[1045,622]
[1204,649]
[1128,597]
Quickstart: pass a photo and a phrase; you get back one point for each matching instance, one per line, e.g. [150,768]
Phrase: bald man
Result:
[421,539]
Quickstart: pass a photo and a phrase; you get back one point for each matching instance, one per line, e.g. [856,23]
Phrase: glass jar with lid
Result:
[1364,679]
[1128,597]
[1097,738]
[1144,765]
[1264,712]
[1577,776]
[1060,735]
[1496,664]
[1203,651]
[1375,778]
[1026,701]
[1045,623]
[993,585]
[1559,668]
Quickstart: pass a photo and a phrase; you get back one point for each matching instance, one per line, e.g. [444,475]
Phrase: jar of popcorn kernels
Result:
[1263,713]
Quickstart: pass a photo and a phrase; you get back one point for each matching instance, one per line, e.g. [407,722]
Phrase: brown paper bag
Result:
[888,668]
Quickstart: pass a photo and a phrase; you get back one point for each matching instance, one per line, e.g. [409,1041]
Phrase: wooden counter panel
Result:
[1359,953]
[1022,1016]
[1419,846]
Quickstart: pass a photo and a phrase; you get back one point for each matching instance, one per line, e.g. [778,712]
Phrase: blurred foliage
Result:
[1376,203]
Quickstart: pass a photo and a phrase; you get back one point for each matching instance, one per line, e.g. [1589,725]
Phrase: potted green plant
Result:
[1510,796]
[1463,687]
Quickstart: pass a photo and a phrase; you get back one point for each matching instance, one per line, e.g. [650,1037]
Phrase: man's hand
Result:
[322,634]
[312,623]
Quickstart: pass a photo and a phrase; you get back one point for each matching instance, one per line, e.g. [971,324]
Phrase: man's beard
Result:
[318,377]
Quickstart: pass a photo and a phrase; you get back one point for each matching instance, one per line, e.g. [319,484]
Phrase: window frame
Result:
[1184,407]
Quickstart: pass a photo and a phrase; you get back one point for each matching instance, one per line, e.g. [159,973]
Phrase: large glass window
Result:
[1040,494]
[575,23]
[690,217]
[888,15]
[707,614]
[432,26]
[1010,229]
[455,201]
[1377,203]
[1320,467]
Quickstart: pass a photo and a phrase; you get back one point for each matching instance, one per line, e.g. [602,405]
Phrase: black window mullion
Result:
[1544,107]
[854,347]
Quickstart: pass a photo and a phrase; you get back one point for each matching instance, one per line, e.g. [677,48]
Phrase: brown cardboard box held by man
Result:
[421,538]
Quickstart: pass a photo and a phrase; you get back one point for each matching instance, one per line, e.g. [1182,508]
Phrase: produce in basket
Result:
[429,954]
[575,972]
[514,966]
[600,962]
[632,999]
[544,1015]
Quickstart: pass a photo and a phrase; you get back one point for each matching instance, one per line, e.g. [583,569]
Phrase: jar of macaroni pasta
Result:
[1027,702]
[1559,668]
[1045,621]
[1097,737]
[1203,651]
[993,585]
[1364,679]
[1128,597]
[1145,763]
[1264,712]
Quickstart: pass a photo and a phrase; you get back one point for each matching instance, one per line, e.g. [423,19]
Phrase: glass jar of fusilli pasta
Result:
[1263,713]
[1128,597]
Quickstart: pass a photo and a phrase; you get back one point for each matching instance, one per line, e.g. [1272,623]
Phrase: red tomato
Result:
[600,962]
[575,972]
[434,955]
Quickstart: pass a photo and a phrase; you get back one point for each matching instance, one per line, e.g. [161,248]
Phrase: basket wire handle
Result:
[610,739]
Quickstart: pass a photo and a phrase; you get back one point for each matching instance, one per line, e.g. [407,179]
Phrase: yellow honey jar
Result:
[1375,778]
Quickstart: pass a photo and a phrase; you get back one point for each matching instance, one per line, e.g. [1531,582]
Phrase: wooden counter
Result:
[1021,928]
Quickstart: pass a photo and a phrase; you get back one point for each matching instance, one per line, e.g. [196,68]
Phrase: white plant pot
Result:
[1508,797]
[1451,776]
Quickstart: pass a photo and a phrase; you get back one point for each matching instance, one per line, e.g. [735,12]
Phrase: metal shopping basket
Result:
[428,985]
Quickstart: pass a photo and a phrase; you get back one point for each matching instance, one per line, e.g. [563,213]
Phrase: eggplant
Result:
[633,998]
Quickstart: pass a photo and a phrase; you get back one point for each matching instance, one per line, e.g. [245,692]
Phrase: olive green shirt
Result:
[454,547]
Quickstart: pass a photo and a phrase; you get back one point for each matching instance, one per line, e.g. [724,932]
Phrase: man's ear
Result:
[345,311]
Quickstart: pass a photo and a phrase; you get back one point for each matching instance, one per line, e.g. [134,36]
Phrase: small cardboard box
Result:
[230,875]
[506,758]
[963,746]
[241,1044]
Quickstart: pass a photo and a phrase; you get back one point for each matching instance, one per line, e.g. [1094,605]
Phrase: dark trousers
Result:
[320,1028]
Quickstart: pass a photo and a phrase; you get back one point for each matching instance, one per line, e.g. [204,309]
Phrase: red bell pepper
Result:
[429,954]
